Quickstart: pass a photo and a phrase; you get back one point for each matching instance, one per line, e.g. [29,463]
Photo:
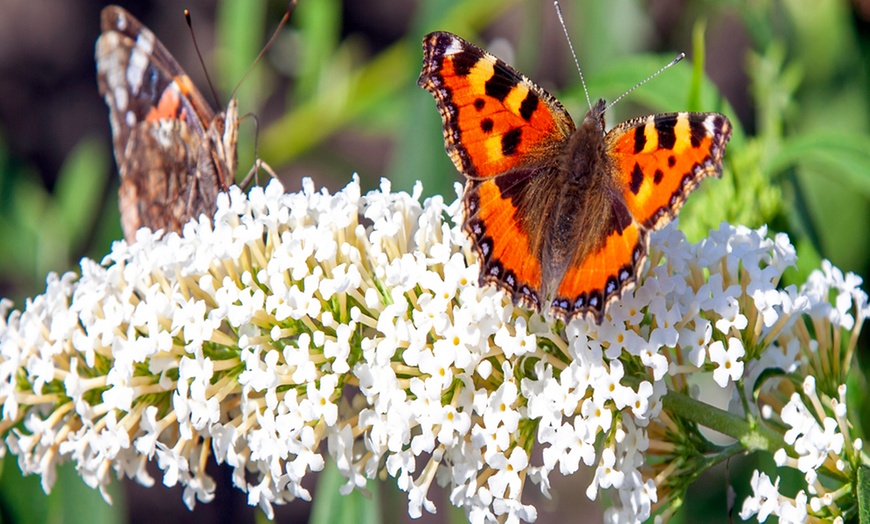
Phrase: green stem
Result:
[751,435]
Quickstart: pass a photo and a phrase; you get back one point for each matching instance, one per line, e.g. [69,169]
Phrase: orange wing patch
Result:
[589,285]
[660,159]
[493,116]
[501,244]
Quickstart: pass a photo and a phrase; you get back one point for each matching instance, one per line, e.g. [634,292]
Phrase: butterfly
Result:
[560,215]
[173,152]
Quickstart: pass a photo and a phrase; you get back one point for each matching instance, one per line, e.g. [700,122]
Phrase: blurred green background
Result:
[336,94]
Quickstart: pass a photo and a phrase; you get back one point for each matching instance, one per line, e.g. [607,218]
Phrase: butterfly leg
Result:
[255,170]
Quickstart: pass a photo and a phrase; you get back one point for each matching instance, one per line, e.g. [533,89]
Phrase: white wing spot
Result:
[121,98]
[165,133]
[139,59]
[453,48]
[708,125]
[131,118]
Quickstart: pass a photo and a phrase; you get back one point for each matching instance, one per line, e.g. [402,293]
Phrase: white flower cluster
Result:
[307,324]
[815,444]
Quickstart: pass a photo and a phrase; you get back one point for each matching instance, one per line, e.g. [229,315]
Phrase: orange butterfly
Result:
[559,213]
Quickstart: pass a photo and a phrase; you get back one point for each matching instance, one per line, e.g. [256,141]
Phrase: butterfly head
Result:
[595,116]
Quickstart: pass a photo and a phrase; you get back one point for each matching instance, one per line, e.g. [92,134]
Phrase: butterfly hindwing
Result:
[590,283]
[502,240]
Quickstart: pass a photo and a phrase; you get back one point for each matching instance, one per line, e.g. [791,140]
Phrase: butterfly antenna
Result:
[290,7]
[571,47]
[647,79]
[199,55]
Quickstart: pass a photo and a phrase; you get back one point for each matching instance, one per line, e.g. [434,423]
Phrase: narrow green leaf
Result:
[331,507]
[864,495]
[79,189]
[699,54]
[319,26]
[844,157]
[240,27]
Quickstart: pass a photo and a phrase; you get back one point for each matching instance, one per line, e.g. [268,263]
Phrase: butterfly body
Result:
[559,215]
[174,154]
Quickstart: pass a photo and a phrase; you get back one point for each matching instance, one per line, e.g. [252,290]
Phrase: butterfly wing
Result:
[655,162]
[141,81]
[661,158]
[156,189]
[164,133]
[592,281]
[498,126]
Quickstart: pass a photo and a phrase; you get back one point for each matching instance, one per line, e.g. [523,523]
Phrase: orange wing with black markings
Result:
[654,162]
[661,158]
[590,283]
[495,119]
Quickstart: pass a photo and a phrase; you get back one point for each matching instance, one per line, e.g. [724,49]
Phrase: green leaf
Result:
[698,58]
[79,189]
[368,87]
[331,507]
[319,27]
[864,495]
[844,157]
[240,28]
[71,500]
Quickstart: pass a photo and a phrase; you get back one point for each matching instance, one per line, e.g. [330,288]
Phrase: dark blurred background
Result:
[336,94]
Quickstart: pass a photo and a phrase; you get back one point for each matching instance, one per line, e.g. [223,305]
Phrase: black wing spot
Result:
[658,176]
[636,179]
[665,128]
[472,202]
[594,300]
[672,161]
[499,84]
[485,246]
[465,61]
[486,125]
[479,104]
[494,270]
[698,131]
[639,139]
[528,106]
[510,141]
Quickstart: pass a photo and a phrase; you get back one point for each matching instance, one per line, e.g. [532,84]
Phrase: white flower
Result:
[730,368]
[506,482]
[764,500]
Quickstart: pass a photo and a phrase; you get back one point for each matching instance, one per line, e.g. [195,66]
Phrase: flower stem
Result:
[752,436]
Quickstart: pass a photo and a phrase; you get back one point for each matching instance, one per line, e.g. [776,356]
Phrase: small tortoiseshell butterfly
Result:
[558,213]
[174,154]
